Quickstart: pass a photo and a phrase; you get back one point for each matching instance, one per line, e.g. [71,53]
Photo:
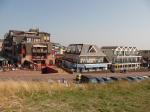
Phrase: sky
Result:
[100,22]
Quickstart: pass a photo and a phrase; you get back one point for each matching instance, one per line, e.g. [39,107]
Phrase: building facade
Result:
[33,46]
[1,43]
[145,58]
[122,57]
[57,49]
[84,58]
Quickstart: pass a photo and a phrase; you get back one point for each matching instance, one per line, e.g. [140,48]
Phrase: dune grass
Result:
[45,97]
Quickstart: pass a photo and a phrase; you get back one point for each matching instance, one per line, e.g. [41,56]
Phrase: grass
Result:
[45,97]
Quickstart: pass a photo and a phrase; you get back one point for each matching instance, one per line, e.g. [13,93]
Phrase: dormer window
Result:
[92,49]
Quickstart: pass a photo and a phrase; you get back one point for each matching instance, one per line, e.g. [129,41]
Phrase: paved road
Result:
[26,75]
[120,74]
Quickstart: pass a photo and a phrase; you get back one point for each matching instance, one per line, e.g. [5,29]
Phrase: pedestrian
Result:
[61,80]
[66,83]
[78,78]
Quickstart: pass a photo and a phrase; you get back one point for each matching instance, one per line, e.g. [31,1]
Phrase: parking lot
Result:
[27,75]
[119,74]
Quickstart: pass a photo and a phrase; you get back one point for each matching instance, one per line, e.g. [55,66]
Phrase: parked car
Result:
[131,78]
[100,80]
[126,79]
[115,78]
[88,79]
[140,78]
[47,70]
[146,77]
[107,79]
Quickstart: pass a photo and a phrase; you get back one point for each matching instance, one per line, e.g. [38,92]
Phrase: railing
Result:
[39,51]
[38,57]
[126,62]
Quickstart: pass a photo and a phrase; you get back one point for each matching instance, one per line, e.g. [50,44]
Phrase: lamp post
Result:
[77,66]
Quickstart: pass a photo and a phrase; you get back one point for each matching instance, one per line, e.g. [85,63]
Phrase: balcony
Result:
[39,57]
[39,51]
[138,61]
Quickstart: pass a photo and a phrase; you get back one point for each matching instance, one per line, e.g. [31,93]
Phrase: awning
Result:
[80,65]
[95,65]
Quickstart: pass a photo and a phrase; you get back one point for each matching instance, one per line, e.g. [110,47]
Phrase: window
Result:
[92,49]
[117,53]
[78,48]
[14,39]
[73,49]
[28,39]
[68,50]
[45,38]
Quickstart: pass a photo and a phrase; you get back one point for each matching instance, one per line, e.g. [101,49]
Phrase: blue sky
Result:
[100,22]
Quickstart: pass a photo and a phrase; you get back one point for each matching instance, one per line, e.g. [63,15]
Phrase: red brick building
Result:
[32,46]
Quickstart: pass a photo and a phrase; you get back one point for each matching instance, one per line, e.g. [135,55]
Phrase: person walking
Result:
[78,78]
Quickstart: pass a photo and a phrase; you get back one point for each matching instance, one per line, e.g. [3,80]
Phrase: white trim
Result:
[92,48]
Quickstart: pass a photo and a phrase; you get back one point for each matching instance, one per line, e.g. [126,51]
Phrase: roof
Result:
[114,47]
[109,47]
[86,48]
[31,31]
[145,50]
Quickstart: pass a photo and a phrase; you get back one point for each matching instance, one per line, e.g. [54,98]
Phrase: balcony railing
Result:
[126,62]
[38,57]
[39,51]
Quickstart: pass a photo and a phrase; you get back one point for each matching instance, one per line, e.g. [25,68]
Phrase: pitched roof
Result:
[109,47]
[86,51]
[114,47]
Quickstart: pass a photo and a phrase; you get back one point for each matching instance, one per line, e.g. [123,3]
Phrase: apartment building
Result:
[145,58]
[122,57]
[33,46]
[57,49]
[84,58]
[1,43]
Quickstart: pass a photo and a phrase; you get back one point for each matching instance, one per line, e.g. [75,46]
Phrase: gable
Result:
[92,49]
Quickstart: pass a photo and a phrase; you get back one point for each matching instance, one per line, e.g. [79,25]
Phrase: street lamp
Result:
[77,66]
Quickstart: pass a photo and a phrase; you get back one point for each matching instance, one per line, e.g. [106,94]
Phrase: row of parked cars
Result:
[103,80]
